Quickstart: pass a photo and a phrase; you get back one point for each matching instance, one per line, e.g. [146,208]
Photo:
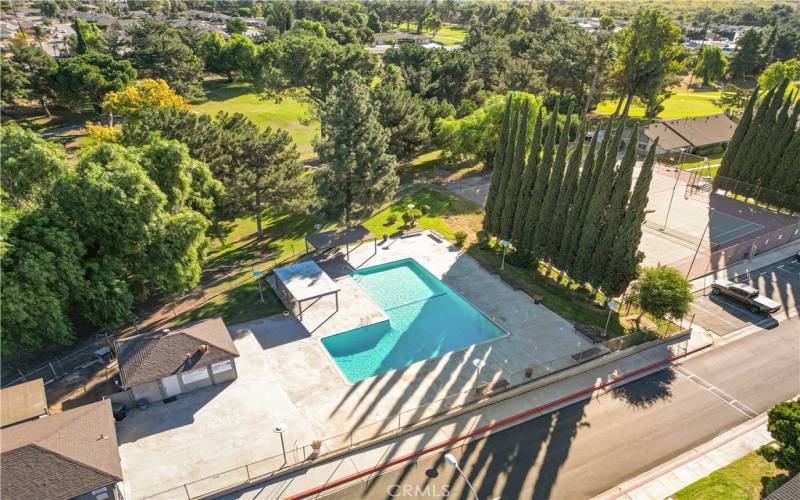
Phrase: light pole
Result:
[258,275]
[611,306]
[478,363]
[505,244]
[279,429]
[451,460]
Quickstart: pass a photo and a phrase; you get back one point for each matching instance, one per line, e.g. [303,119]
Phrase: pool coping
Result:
[327,355]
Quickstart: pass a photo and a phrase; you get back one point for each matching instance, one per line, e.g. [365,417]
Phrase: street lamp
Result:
[258,275]
[451,460]
[505,244]
[611,306]
[279,429]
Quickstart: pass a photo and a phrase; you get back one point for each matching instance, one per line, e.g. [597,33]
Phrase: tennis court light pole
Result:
[451,460]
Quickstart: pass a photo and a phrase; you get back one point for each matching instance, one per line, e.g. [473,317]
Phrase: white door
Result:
[171,386]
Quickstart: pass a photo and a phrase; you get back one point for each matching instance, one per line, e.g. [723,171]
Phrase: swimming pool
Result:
[426,320]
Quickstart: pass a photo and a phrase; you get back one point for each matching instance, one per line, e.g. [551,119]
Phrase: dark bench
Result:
[487,389]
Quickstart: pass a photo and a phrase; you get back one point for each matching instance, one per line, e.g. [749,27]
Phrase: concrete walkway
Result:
[575,384]
[695,464]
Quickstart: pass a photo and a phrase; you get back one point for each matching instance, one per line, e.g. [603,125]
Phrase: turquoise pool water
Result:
[426,319]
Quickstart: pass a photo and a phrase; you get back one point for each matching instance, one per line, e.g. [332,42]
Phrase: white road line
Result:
[716,391]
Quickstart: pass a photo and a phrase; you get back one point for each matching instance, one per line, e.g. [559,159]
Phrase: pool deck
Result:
[285,375]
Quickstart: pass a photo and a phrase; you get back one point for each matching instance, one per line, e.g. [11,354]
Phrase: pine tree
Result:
[620,193]
[499,202]
[497,166]
[785,130]
[728,163]
[788,171]
[515,177]
[595,214]
[528,181]
[545,223]
[540,187]
[559,230]
[625,255]
[572,236]
[359,175]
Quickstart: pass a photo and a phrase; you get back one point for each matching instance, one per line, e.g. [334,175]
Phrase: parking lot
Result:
[723,316]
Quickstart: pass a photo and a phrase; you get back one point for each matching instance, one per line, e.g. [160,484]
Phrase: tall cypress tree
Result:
[515,177]
[528,181]
[621,268]
[559,230]
[752,142]
[574,222]
[596,212]
[497,166]
[499,202]
[620,193]
[727,165]
[542,178]
[784,131]
[544,225]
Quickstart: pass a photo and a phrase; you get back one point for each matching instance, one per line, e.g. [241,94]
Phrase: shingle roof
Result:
[790,490]
[60,456]
[22,402]
[692,132]
[153,356]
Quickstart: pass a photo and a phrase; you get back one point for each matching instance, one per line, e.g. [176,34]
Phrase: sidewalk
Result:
[742,267]
[695,464]
[518,407]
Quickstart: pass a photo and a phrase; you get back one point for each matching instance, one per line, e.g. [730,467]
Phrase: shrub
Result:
[483,239]
[410,216]
[392,219]
[461,238]
[425,209]
[784,425]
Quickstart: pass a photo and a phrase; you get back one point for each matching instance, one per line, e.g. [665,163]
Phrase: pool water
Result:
[426,320]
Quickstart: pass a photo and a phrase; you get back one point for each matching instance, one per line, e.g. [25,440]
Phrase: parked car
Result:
[746,295]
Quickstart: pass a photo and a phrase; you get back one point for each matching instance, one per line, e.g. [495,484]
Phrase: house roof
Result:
[60,456]
[306,280]
[790,490]
[692,132]
[152,356]
[22,402]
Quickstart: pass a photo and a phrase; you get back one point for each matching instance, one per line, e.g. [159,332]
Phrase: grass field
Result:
[450,34]
[752,476]
[240,98]
[679,105]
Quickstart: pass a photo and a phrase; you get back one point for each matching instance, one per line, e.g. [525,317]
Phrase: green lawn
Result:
[240,98]
[679,105]
[450,34]
[240,304]
[752,476]
[447,215]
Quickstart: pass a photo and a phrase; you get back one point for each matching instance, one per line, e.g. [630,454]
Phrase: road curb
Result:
[488,428]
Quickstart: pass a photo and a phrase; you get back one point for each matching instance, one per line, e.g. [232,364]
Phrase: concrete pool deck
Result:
[285,375]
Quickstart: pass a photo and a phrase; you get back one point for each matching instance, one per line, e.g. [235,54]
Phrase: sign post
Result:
[258,275]
[611,306]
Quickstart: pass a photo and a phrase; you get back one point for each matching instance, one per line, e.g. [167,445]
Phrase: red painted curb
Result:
[486,428]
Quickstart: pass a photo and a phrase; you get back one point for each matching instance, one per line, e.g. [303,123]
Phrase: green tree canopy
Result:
[784,426]
[359,173]
[712,64]
[662,291]
[85,80]
[30,166]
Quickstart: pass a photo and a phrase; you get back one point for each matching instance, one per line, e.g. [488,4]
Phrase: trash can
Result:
[119,411]
[143,404]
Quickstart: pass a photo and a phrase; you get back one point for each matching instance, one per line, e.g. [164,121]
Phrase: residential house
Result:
[22,402]
[68,455]
[688,134]
[158,366]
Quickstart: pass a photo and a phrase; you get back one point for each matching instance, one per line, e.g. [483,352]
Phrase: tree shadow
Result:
[647,391]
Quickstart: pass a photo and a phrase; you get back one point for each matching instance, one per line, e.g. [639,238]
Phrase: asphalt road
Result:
[591,446]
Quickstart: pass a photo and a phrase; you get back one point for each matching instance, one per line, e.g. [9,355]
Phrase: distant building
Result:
[68,455]
[688,134]
[22,402]
[158,366]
